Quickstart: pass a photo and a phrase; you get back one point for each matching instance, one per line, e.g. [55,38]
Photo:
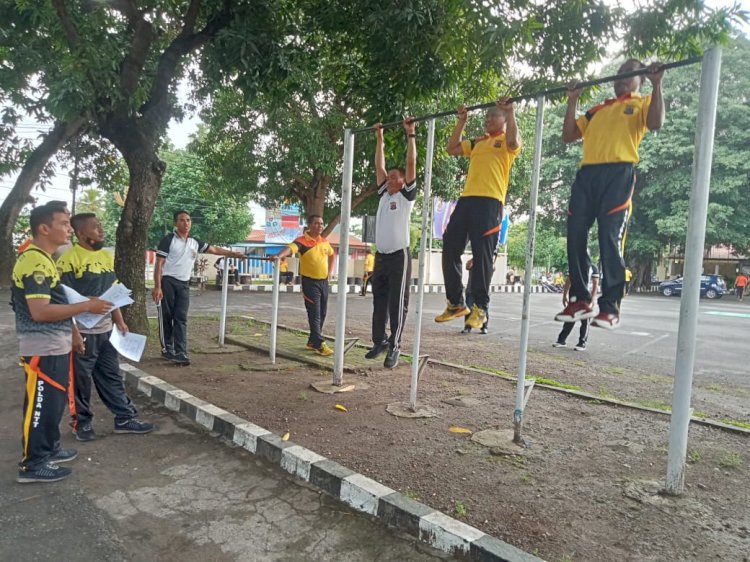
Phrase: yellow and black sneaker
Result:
[477,318]
[324,350]
[452,311]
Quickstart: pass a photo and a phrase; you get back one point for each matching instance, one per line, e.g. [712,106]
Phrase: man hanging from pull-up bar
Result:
[479,211]
[603,189]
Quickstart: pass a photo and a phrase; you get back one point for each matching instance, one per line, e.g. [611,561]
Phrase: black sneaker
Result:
[181,359]
[484,330]
[391,360]
[168,355]
[85,432]
[376,350]
[133,425]
[49,472]
[466,330]
[62,455]
[581,346]
[559,344]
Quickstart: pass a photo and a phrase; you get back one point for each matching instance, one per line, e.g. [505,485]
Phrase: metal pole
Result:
[520,384]
[346,208]
[551,92]
[431,228]
[694,244]
[426,201]
[224,291]
[274,309]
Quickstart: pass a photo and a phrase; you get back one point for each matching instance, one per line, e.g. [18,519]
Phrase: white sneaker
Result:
[559,344]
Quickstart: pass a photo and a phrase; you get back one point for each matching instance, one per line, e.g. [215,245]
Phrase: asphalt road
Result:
[646,339]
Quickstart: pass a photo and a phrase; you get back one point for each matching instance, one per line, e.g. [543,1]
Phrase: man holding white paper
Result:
[90,270]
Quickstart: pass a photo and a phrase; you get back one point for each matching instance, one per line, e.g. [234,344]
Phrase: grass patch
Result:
[604,393]
[411,494]
[694,455]
[526,478]
[702,415]
[730,460]
[303,396]
[614,370]
[735,423]
[714,387]
[656,405]
[555,383]
[460,509]
[567,557]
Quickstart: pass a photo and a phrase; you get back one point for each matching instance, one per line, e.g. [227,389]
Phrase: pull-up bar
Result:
[545,93]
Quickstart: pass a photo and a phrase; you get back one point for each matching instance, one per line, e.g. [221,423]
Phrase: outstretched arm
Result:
[217,251]
[512,136]
[656,111]
[381,174]
[454,143]
[571,132]
[411,150]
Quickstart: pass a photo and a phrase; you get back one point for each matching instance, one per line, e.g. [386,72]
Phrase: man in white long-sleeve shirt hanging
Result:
[397,189]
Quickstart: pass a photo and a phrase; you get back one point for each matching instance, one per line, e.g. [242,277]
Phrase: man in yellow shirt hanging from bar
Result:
[603,189]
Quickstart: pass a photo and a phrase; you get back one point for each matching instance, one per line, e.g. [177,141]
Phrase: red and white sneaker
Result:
[575,311]
[606,320]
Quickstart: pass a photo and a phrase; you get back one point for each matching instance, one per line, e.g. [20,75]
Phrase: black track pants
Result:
[100,365]
[475,220]
[315,293]
[390,291]
[601,193]
[173,314]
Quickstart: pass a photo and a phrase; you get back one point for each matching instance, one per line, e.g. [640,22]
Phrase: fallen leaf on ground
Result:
[456,429]
[285,437]
[257,335]
[341,407]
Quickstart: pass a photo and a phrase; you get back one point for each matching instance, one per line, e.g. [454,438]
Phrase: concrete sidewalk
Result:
[176,494]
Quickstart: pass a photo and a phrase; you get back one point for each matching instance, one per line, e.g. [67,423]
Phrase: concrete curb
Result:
[360,492]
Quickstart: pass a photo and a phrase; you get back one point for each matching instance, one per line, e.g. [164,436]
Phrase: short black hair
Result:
[311,217]
[78,219]
[401,170]
[178,213]
[44,214]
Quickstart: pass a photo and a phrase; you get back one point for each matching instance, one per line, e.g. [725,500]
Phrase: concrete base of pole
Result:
[402,410]
[500,441]
[327,387]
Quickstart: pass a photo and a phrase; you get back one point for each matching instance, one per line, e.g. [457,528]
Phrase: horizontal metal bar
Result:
[550,92]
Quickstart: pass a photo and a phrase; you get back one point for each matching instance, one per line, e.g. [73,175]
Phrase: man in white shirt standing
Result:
[175,257]
[397,189]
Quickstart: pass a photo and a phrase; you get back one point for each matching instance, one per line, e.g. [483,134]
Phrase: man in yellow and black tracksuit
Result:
[89,269]
[46,335]
[316,261]
[604,185]
[479,211]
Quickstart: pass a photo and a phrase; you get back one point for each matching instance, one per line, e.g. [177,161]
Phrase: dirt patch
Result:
[587,489]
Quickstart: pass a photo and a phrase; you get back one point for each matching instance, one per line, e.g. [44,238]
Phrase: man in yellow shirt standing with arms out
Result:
[603,188]
[315,265]
[369,268]
[479,211]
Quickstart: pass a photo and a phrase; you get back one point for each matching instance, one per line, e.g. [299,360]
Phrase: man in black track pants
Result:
[479,211]
[392,275]
[175,257]
[89,269]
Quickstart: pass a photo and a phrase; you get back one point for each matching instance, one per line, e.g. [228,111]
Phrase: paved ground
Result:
[177,494]
[647,338]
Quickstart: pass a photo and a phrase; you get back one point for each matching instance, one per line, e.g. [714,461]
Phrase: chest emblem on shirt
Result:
[39,277]
[498,144]
[629,110]
[393,205]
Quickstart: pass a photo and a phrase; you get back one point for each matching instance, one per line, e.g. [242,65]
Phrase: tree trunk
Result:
[20,195]
[146,171]
[641,268]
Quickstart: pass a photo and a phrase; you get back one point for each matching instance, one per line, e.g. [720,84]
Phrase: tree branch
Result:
[71,33]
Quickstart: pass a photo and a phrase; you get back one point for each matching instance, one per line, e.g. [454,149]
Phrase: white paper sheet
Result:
[117,294]
[128,345]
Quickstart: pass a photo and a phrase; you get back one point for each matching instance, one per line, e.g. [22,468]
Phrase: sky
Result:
[179,133]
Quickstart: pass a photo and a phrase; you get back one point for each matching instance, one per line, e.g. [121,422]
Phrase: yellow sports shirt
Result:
[613,130]
[313,262]
[369,263]
[489,166]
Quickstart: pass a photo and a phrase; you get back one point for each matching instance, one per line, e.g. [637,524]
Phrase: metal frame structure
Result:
[685,358]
